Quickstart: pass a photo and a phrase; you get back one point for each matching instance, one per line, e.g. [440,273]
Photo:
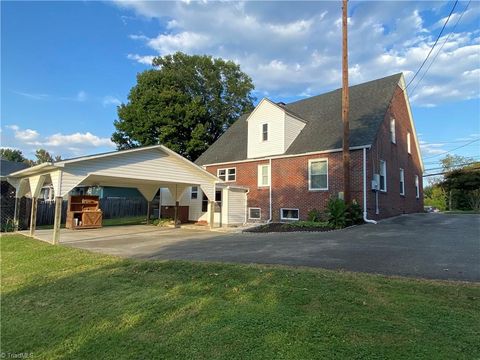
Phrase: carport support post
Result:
[16,214]
[211,208]
[149,206]
[175,218]
[33,216]
[57,220]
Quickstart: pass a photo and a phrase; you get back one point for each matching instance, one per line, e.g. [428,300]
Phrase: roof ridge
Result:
[339,89]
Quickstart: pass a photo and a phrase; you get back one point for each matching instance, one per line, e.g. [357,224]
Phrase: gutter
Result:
[365,189]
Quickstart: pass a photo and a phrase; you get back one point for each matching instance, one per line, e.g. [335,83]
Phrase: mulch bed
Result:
[284,227]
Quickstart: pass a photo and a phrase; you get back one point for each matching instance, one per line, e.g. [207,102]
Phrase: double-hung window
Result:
[417,187]
[383,175]
[263,175]
[229,174]
[264,132]
[392,131]
[194,193]
[402,182]
[409,143]
[318,174]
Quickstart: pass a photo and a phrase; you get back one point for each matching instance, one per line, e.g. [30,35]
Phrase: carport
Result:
[146,168]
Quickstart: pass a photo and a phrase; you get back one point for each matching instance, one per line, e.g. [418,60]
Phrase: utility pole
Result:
[345,107]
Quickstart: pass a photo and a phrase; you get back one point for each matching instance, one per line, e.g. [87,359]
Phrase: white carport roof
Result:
[146,168]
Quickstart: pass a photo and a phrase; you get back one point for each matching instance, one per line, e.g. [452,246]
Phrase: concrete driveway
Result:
[435,246]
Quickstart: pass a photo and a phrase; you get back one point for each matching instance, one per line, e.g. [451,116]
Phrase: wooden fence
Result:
[112,208]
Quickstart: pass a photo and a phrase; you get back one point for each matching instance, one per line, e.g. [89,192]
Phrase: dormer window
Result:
[264,132]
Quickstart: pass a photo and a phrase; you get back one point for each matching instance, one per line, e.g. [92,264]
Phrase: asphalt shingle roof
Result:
[369,103]
[8,167]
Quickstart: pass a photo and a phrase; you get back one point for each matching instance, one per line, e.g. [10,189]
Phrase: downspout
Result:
[365,188]
[246,206]
[270,188]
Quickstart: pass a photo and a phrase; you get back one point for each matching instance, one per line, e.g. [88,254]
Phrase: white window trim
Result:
[281,214]
[417,187]
[393,135]
[191,192]
[380,173]
[254,208]
[226,174]
[409,143]
[268,132]
[402,180]
[260,175]
[309,175]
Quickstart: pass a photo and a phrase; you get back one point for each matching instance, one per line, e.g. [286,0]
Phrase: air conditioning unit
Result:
[376,182]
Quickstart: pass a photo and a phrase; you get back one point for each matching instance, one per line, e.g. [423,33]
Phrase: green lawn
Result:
[63,303]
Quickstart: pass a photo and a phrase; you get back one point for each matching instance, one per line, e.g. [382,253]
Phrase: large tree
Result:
[12,155]
[185,103]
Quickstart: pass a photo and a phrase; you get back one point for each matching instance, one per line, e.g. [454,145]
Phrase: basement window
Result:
[254,213]
[289,214]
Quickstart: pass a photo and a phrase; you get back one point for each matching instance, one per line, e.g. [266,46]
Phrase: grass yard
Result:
[60,303]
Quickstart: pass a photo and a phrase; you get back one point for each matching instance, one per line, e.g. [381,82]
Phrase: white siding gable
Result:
[282,130]
[292,129]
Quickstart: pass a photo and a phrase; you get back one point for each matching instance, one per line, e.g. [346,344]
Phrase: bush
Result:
[314,215]
[337,213]
[354,214]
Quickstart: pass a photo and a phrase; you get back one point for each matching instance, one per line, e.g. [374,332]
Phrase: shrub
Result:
[337,213]
[354,214]
[314,215]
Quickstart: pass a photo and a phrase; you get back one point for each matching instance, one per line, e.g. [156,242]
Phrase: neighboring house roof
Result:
[8,167]
[369,103]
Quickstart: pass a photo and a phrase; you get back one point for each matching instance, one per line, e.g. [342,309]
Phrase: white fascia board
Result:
[402,86]
[285,111]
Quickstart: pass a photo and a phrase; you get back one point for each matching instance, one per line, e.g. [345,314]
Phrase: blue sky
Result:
[65,66]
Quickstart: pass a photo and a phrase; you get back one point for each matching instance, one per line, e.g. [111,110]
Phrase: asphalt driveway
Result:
[435,246]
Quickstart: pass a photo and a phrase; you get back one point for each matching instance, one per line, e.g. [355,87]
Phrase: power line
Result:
[464,164]
[440,50]
[445,172]
[435,43]
[446,152]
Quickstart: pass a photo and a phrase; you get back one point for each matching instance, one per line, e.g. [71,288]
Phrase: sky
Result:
[66,66]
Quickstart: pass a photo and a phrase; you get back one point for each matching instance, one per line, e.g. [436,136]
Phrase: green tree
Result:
[186,103]
[454,162]
[43,156]
[12,155]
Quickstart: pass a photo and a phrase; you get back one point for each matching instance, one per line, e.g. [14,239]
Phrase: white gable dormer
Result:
[271,130]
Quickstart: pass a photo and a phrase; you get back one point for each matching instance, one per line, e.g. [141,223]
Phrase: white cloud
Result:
[66,145]
[81,96]
[27,135]
[146,60]
[431,148]
[293,48]
[110,100]
[77,139]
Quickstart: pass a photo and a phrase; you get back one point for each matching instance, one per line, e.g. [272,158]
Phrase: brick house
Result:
[288,157]
[283,160]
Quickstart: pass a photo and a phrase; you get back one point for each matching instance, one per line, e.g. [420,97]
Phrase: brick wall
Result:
[290,174]
[290,183]
[391,203]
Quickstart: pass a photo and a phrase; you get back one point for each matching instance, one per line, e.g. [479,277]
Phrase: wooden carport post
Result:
[16,212]
[33,216]
[57,220]
[36,183]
